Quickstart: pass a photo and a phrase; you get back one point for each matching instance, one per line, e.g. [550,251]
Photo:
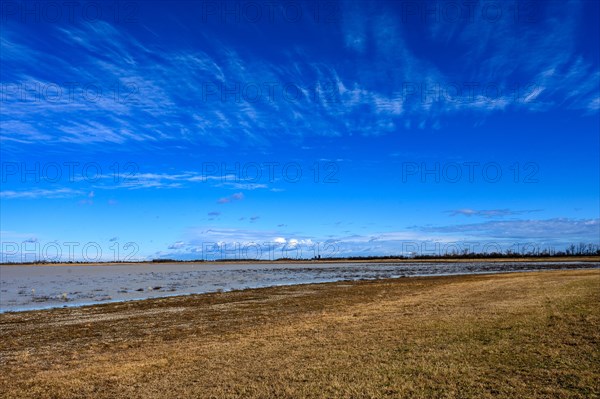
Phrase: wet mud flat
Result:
[38,287]
[499,335]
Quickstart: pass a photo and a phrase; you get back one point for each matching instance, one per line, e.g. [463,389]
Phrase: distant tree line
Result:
[533,251]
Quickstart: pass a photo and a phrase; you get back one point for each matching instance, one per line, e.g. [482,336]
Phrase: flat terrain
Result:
[534,335]
[578,258]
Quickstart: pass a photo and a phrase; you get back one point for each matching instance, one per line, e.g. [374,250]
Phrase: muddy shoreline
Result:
[26,288]
[470,335]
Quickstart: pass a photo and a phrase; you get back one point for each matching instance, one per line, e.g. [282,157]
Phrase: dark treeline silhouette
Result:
[581,249]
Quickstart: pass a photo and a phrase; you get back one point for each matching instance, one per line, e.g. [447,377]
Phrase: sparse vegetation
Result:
[521,335]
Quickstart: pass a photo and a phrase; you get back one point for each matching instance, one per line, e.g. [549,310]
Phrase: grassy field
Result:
[519,335]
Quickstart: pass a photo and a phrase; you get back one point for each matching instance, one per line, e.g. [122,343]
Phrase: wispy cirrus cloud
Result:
[489,213]
[41,193]
[201,94]
[83,187]
[242,185]
[499,65]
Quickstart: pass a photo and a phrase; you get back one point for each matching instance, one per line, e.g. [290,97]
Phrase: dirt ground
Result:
[516,335]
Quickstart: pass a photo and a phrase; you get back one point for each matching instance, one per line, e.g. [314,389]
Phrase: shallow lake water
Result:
[38,287]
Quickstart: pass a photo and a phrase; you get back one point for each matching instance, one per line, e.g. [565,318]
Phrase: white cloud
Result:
[489,213]
[233,197]
[41,193]
[177,245]
[558,229]
[161,92]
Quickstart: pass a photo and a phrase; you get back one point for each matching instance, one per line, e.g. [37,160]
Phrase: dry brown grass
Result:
[507,335]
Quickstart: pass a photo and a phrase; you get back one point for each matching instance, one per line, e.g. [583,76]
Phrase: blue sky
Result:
[157,129]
